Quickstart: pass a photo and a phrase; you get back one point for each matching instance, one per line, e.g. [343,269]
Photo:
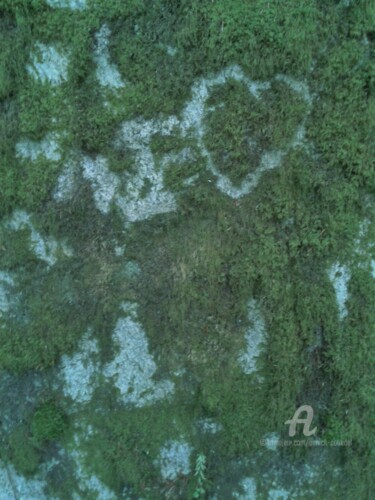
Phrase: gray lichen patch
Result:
[278,494]
[48,65]
[137,135]
[271,441]
[66,182]
[95,170]
[282,478]
[131,370]
[248,488]
[255,336]
[79,371]
[133,367]
[48,148]
[365,245]
[104,182]
[175,459]
[108,186]
[363,258]
[340,277]
[209,425]
[67,4]
[106,72]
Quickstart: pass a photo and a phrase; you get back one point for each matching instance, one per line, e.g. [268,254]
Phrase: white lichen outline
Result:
[270,159]
[137,135]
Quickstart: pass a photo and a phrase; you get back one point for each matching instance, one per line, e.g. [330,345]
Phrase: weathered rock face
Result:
[186,250]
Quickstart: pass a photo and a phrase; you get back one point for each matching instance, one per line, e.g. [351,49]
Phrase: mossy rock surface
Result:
[187,247]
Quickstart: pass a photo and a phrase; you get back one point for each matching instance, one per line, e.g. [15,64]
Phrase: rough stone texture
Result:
[133,368]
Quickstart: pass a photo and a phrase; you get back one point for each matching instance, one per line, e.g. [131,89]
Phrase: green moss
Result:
[177,174]
[37,181]
[200,265]
[121,451]
[339,124]
[273,36]
[8,164]
[16,245]
[241,127]
[22,452]
[162,145]
[229,131]
[48,320]
[122,160]
[48,422]
[5,73]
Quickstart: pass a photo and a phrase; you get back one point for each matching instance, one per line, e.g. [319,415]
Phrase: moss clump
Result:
[49,422]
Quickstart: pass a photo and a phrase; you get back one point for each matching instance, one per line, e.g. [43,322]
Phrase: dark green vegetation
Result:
[240,127]
[200,265]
